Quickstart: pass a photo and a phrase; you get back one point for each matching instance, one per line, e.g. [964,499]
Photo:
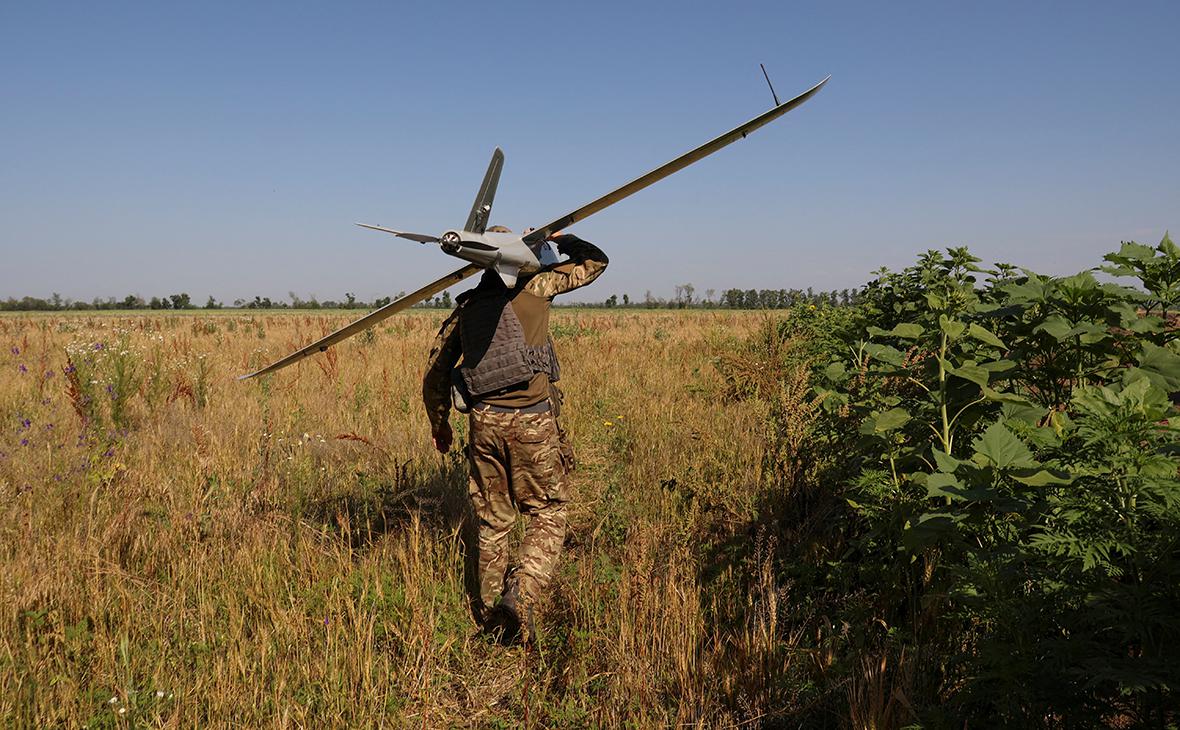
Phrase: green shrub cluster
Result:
[1001,453]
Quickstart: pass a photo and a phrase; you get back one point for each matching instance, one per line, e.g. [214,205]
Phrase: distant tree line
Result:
[685,297]
[131,301]
[182,301]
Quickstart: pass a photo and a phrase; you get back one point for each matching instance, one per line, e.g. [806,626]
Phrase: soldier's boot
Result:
[515,619]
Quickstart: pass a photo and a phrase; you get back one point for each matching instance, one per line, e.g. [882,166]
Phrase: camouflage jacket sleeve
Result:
[436,385]
[586,262]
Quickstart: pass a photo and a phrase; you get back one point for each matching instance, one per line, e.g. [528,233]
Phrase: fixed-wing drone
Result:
[512,255]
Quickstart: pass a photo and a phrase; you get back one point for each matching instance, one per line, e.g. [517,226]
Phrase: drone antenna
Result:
[769,84]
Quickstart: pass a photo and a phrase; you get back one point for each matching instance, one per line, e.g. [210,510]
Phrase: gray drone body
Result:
[507,253]
[511,255]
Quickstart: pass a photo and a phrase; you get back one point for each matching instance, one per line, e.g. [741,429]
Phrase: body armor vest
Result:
[495,354]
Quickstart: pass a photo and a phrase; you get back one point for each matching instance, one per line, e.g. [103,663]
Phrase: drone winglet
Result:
[675,165]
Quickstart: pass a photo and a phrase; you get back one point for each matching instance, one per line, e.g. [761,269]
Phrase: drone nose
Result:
[450,242]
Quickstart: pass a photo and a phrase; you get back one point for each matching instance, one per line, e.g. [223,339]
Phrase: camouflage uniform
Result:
[517,458]
[516,464]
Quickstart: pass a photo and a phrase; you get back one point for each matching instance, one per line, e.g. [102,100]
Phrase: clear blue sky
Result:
[227,148]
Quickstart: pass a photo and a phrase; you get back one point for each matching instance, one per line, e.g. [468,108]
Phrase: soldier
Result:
[516,449]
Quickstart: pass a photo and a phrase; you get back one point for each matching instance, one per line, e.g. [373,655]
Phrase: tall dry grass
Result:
[181,549]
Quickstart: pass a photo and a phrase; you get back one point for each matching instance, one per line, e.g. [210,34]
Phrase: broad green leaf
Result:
[1146,325]
[836,371]
[1167,248]
[998,366]
[905,330]
[1040,477]
[1003,397]
[1161,363]
[1091,332]
[952,327]
[1000,448]
[972,372]
[1141,396]
[928,529]
[940,484]
[1028,413]
[1032,290]
[1056,326]
[891,420]
[1131,252]
[908,330]
[1125,313]
[945,461]
[884,353]
[985,336]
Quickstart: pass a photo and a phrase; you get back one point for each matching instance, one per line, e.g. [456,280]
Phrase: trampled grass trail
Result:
[181,549]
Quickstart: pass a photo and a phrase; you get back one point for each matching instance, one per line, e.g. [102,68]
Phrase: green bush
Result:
[1007,476]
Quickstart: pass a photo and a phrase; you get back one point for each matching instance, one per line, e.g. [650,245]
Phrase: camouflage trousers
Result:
[517,466]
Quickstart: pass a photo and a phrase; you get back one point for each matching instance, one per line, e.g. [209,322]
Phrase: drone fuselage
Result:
[507,253]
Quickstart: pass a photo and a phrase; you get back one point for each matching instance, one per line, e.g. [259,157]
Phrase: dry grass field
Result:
[181,549]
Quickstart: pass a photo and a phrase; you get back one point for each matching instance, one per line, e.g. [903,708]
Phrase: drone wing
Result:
[371,319]
[667,169]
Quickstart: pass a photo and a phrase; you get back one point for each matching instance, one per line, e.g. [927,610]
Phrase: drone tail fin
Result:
[477,220]
[419,237]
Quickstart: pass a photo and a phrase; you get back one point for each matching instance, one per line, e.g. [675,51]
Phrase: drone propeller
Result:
[370,319]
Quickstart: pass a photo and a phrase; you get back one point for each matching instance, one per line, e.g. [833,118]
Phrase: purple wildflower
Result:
[48,374]
[109,452]
[25,423]
[70,368]
[15,350]
[24,442]
[98,345]
[22,368]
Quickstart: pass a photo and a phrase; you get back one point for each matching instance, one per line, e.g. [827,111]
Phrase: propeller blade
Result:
[675,165]
[419,237]
[370,319]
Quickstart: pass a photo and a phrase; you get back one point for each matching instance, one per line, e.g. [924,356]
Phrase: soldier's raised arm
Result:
[586,262]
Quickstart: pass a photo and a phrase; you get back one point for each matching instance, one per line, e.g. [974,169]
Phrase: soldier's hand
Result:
[443,438]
